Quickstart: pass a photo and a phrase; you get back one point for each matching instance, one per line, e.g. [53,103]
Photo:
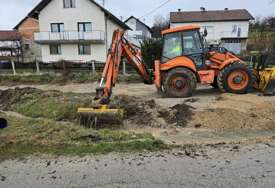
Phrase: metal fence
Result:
[10,67]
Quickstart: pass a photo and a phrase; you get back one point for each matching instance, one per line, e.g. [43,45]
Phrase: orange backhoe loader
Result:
[186,61]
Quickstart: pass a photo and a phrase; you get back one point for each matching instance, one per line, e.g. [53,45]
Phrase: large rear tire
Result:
[235,78]
[180,83]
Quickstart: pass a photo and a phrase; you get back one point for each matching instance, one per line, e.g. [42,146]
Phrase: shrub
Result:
[151,50]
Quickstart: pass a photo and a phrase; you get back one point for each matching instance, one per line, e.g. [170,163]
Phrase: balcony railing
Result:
[70,37]
[230,34]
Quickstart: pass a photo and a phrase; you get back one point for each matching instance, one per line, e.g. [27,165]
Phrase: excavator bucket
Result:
[100,117]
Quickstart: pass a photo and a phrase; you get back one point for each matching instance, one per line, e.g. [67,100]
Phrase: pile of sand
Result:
[235,112]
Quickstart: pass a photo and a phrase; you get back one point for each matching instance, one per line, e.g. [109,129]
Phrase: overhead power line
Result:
[152,11]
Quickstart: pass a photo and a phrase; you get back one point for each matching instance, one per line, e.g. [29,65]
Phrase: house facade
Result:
[230,28]
[31,51]
[139,30]
[74,30]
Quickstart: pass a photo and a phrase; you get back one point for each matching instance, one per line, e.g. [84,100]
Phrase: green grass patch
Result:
[26,136]
[27,79]
[47,104]
[57,78]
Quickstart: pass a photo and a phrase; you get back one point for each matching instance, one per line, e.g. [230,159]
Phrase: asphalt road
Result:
[225,166]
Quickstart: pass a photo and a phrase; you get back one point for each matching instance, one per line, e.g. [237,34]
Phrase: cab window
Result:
[172,46]
[191,43]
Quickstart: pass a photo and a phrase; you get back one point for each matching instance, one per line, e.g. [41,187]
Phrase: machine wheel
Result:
[180,83]
[235,78]
[215,83]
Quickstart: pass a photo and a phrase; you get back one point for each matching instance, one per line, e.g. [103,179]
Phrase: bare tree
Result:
[160,23]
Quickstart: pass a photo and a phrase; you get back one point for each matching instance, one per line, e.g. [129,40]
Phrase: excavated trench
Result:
[227,113]
[63,106]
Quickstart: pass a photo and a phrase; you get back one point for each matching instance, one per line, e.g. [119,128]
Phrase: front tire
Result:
[215,83]
[235,78]
[180,83]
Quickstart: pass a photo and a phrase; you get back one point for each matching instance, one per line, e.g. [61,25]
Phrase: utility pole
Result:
[103,3]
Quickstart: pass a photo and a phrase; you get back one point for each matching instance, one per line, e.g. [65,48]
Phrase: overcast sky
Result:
[12,11]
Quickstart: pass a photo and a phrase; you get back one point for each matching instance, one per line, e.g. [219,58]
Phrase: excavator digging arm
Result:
[120,48]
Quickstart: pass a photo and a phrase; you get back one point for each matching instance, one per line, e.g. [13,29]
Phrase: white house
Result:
[74,30]
[139,30]
[229,27]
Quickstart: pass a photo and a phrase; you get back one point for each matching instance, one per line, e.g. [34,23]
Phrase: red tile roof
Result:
[9,35]
[210,16]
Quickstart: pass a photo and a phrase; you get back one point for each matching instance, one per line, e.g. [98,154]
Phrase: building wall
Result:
[28,28]
[145,31]
[132,23]
[85,11]
[218,30]
[31,50]
[138,33]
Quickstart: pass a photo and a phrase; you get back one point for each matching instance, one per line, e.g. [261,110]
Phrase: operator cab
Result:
[184,41]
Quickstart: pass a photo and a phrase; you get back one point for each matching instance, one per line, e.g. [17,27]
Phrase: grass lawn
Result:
[54,78]
[27,136]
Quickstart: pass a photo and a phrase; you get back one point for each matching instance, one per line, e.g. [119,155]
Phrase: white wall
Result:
[218,30]
[111,27]
[138,29]
[132,23]
[85,11]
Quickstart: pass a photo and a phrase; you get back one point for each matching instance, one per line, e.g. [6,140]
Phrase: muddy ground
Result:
[223,140]
[206,118]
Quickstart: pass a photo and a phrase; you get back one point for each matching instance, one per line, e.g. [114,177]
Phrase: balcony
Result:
[70,37]
[230,34]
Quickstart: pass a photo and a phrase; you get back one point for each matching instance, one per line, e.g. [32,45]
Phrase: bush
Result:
[151,50]
[261,41]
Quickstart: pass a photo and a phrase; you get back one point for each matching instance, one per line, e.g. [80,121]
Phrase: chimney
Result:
[179,10]
[226,9]
[202,9]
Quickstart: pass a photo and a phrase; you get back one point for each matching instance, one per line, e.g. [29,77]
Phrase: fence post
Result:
[124,67]
[13,67]
[37,66]
[93,66]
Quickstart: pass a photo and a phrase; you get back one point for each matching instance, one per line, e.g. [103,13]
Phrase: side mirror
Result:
[205,32]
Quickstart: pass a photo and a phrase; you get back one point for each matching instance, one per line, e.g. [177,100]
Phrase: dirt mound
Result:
[147,113]
[237,112]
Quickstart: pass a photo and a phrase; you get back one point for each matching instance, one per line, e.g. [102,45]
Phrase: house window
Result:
[84,26]
[57,27]
[84,49]
[55,49]
[69,3]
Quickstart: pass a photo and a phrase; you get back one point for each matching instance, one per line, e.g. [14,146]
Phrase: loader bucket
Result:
[100,117]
